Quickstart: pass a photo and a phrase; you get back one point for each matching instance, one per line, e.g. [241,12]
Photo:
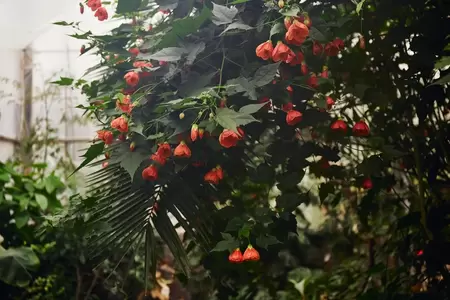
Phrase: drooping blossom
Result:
[293,117]
[106,136]
[101,14]
[265,50]
[182,150]
[251,254]
[132,78]
[120,124]
[228,138]
[150,173]
[125,104]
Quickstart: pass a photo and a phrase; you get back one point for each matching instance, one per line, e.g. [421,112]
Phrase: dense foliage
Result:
[230,119]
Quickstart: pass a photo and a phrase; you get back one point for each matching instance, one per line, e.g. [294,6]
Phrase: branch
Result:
[79,283]
[93,283]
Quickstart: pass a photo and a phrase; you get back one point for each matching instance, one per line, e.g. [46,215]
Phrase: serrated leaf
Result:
[443,62]
[168,54]
[237,25]
[442,80]
[266,241]
[41,201]
[183,27]
[21,218]
[222,14]
[193,50]
[276,28]
[230,119]
[155,136]
[131,161]
[16,264]
[93,152]
[63,81]
[359,6]
[127,6]
[315,34]
[226,245]
[292,11]
[251,108]
[265,74]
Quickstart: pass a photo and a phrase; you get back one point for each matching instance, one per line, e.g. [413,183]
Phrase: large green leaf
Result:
[265,75]
[222,14]
[127,6]
[16,264]
[230,119]
[92,153]
[183,27]
[168,54]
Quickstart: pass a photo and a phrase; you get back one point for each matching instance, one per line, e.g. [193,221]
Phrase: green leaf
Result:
[251,108]
[64,81]
[228,244]
[443,62]
[127,6]
[359,6]
[241,84]
[195,84]
[131,161]
[265,74]
[292,11]
[42,201]
[5,177]
[21,218]
[276,28]
[230,119]
[222,14]
[15,264]
[93,152]
[155,136]
[63,23]
[315,34]
[442,80]
[266,241]
[183,27]
[237,25]
[193,50]
[168,54]
[52,183]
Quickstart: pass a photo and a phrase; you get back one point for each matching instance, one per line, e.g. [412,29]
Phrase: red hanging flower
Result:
[194,132]
[219,172]
[106,136]
[304,68]
[212,177]
[250,254]
[330,102]
[142,64]
[367,184]
[339,126]
[265,50]
[201,132]
[362,42]
[280,52]
[132,146]
[313,81]
[164,150]
[331,49]
[287,107]
[317,48]
[182,150]
[228,138]
[287,22]
[339,43]
[241,133]
[156,157]
[81,8]
[101,14]
[297,33]
[150,173]
[132,78]
[293,117]
[94,4]
[125,105]
[324,73]
[82,49]
[120,124]
[297,60]
[236,256]
[134,51]
[361,129]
